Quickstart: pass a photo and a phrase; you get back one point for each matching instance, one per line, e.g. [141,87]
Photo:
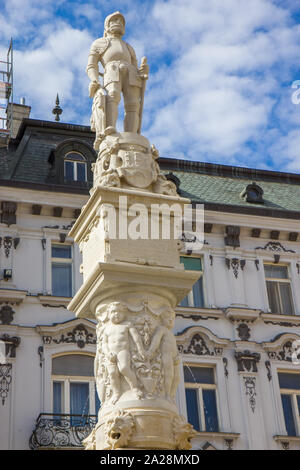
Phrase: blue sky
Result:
[220,80]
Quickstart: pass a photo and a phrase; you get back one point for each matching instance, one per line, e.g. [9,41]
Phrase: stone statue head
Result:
[114,24]
[117,312]
[168,318]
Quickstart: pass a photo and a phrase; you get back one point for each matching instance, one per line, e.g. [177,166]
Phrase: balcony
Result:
[61,431]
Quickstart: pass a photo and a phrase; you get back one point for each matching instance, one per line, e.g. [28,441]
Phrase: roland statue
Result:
[121,75]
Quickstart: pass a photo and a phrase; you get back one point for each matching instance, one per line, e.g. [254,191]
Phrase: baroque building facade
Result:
[237,332]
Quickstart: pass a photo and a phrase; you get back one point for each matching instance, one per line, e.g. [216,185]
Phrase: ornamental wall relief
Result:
[136,354]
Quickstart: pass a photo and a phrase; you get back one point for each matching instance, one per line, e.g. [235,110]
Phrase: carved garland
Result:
[198,346]
[79,335]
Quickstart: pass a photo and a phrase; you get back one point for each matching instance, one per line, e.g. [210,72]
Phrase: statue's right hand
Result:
[93,87]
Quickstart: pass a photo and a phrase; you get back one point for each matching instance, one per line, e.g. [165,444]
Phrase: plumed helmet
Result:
[109,17]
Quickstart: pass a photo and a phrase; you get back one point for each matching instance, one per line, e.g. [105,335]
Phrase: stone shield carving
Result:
[137,168]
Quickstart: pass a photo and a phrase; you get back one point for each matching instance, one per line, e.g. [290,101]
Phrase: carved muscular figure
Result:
[116,349]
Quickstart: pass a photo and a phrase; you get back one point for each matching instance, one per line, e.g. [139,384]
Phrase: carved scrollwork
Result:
[79,335]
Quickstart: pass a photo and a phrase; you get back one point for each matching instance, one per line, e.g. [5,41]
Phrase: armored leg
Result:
[132,108]
[112,102]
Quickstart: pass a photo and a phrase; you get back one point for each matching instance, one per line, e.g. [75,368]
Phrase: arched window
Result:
[74,389]
[75,168]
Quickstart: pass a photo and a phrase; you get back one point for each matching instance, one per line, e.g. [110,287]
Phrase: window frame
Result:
[294,393]
[276,281]
[66,381]
[200,387]
[67,261]
[81,159]
[190,295]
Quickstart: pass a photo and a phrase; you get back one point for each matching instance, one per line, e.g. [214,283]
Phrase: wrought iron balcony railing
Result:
[61,430]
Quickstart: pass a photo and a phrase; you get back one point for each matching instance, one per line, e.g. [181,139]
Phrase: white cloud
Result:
[220,71]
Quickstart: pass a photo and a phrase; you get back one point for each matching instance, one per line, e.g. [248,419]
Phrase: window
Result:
[201,400]
[196,297]
[279,289]
[290,397]
[75,167]
[73,385]
[61,269]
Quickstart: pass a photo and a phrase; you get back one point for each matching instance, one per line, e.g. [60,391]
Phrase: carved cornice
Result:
[79,332]
[284,347]
[200,341]
[12,296]
[281,320]
[238,314]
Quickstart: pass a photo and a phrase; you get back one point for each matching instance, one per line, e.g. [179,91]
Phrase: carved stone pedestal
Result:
[133,280]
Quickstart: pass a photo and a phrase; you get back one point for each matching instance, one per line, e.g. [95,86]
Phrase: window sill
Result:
[280,319]
[218,435]
[54,301]
[286,438]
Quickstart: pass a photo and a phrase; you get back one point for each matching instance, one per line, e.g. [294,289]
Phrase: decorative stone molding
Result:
[12,296]
[6,314]
[243,331]
[7,244]
[244,315]
[232,237]
[256,232]
[8,215]
[285,347]
[250,386]
[274,247]
[293,236]
[235,264]
[225,363]
[288,321]
[247,361]
[200,341]
[5,380]
[268,367]
[80,335]
[274,234]
[199,313]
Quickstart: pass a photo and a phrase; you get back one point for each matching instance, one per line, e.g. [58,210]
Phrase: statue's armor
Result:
[113,53]
[121,75]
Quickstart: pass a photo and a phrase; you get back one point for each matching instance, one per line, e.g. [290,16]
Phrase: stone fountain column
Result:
[132,281]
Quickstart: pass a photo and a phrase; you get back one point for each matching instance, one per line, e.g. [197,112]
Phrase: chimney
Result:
[19,112]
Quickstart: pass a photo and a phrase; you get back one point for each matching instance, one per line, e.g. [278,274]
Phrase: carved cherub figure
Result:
[164,338]
[116,348]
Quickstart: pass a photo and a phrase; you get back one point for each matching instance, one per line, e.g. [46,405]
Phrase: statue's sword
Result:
[144,78]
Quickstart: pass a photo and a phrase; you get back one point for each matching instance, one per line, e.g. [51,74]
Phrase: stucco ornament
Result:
[119,429]
[183,433]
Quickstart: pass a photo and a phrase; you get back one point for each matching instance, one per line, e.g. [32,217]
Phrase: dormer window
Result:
[75,167]
[253,193]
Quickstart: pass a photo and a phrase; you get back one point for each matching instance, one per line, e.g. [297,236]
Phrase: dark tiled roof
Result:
[219,187]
